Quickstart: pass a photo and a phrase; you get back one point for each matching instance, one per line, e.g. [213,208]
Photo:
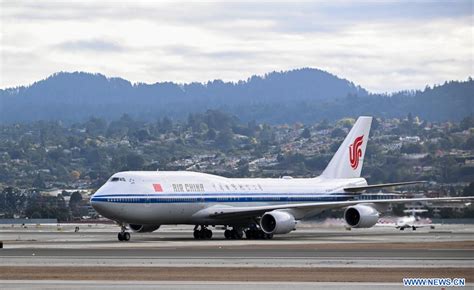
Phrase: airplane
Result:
[258,207]
[408,222]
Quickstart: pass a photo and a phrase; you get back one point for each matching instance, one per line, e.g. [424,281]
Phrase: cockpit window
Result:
[114,179]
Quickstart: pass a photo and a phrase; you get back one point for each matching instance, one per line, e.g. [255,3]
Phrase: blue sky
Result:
[383,46]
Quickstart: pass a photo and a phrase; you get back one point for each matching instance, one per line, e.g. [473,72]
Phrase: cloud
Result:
[380,45]
[95,45]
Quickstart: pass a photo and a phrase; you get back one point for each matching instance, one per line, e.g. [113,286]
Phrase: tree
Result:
[12,202]
[142,135]
[134,161]
[75,175]
[467,122]
[95,126]
[468,190]
[211,134]
[166,125]
[337,133]
[75,199]
[412,148]
[39,182]
[306,133]
[469,144]
[225,139]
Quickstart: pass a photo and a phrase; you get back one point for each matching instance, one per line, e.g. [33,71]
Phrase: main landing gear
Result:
[202,234]
[250,234]
[123,236]
[234,234]
[257,234]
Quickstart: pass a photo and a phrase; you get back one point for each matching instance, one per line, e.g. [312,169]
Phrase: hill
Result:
[303,95]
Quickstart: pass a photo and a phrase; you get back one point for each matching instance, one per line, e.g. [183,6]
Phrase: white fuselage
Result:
[406,222]
[179,197]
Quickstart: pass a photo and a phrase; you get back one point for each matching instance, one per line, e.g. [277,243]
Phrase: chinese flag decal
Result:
[157,187]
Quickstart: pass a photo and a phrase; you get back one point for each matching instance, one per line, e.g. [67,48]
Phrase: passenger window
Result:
[115,179]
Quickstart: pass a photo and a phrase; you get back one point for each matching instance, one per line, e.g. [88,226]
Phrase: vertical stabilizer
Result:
[348,160]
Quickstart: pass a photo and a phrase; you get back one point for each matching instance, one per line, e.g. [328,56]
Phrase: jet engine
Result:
[361,216]
[277,222]
[143,228]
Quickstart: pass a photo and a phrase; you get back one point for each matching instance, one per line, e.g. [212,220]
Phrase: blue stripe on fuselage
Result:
[153,198]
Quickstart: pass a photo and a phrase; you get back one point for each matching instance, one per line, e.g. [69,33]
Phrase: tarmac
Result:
[195,285]
[56,256]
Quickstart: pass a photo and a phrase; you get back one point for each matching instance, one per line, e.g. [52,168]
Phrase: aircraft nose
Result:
[97,201]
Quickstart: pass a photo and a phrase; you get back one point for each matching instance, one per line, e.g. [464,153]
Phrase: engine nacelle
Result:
[277,222]
[361,216]
[143,228]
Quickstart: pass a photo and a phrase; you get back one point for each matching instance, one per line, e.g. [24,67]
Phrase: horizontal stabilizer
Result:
[382,185]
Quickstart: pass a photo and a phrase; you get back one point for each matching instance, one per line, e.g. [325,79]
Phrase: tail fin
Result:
[348,160]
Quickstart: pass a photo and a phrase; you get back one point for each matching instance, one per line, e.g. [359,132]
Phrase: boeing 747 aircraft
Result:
[258,207]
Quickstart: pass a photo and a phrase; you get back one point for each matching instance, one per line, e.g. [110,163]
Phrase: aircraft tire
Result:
[207,234]
[126,236]
[268,236]
[237,235]
[249,234]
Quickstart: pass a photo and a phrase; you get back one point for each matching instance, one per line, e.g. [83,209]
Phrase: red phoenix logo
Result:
[355,152]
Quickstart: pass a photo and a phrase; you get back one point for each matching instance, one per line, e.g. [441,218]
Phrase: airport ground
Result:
[51,256]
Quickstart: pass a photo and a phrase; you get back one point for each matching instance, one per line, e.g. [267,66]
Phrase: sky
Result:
[383,46]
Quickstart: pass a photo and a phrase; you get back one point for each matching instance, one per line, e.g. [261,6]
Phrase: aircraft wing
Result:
[227,212]
[381,185]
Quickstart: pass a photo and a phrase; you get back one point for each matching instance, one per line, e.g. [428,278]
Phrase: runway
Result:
[310,254]
[194,285]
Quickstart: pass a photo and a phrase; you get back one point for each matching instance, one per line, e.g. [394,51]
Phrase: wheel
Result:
[260,235]
[268,236]
[413,228]
[237,235]
[208,234]
[249,234]
[126,236]
[197,234]
[402,229]
[240,235]
[120,236]
[227,234]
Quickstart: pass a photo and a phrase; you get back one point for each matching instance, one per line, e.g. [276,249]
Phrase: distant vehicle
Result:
[258,207]
[411,221]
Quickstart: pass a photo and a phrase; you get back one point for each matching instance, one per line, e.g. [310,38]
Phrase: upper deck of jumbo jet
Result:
[196,182]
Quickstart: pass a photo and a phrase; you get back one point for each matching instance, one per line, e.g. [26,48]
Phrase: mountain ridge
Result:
[304,95]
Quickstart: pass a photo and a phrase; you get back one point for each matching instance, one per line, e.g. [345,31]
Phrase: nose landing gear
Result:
[123,236]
